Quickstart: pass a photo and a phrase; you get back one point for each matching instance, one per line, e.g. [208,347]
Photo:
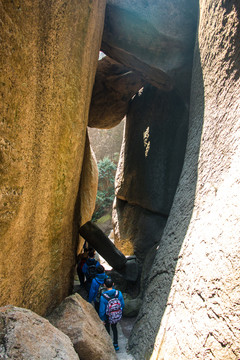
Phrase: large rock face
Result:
[155,37]
[25,335]
[47,75]
[149,167]
[196,269]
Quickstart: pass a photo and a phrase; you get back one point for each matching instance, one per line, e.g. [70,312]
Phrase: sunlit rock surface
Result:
[136,229]
[48,61]
[196,270]
[155,37]
[26,335]
[79,320]
[88,185]
[114,87]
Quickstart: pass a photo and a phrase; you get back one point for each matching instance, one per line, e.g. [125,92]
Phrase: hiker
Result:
[82,258]
[97,287]
[110,311]
[90,269]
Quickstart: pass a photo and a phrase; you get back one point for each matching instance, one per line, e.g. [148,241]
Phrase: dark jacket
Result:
[89,262]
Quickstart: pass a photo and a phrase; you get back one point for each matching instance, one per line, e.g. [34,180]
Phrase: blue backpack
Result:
[91,269]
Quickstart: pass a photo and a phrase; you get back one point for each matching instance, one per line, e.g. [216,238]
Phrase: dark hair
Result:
[108,282]
[91,253]
[100,269]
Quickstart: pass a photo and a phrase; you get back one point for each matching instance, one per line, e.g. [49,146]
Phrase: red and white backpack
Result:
[114,308]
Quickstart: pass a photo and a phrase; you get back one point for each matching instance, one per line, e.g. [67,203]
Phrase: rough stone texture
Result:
[154,37]
[132,306]
[153,150]
[149,168]
[136,229]
[114,87]
[79,320]
[196,270]
[48,61]
[25,335]
[88,184]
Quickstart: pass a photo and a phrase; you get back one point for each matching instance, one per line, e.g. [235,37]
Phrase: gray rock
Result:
[25,335]
[153,150]
[132,306]
[191,306]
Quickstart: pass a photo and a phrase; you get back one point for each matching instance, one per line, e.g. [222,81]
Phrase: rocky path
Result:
[124,329]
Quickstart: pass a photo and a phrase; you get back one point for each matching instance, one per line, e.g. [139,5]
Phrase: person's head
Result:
[100,269]
[108,283]
[91,253]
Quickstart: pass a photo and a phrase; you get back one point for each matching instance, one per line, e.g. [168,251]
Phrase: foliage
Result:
[105,193]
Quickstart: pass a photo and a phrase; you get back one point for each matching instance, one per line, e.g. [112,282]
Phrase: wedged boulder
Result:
[79,320]
[88,184]
[48,64]
[115,85]
[136,229]
[153,37]
[191,306]
[25,335]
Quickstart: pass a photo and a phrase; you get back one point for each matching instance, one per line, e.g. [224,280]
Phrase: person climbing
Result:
[97,287]
[110,310]
[90,269]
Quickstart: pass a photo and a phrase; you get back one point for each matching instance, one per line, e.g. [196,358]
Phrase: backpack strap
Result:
[116,294]
[106,296]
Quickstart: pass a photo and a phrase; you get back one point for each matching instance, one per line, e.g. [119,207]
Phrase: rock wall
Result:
[191,307]
[149,168]
[154,37]
[48,62]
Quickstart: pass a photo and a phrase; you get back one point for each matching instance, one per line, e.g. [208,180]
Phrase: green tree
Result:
[105,193]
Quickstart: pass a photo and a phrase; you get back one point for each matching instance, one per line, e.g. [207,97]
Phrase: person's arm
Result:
[102,308]
[121,299]
[92,291]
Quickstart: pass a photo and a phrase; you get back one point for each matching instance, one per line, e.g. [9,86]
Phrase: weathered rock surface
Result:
[88,184]
[191,307]
[153,150]
[48,62]
[79,320]
[136,229]
[25,335]
[155,38]
[132,306]
[114,87]
[149,168]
